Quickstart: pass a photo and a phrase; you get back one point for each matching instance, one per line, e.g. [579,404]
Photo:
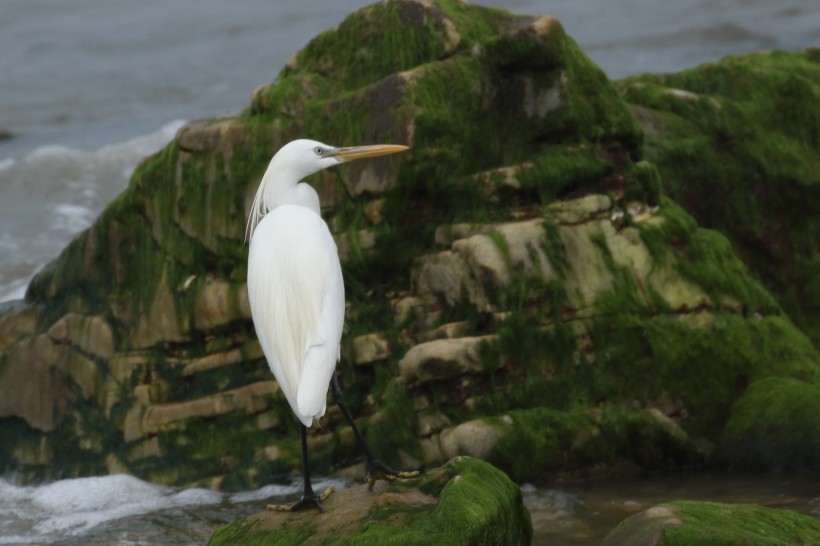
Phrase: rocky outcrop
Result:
[519,288]
[690,522]
[465,502]
[736,142]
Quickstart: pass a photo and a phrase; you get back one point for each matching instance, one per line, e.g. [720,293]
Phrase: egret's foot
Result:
[377,470]
[311,501]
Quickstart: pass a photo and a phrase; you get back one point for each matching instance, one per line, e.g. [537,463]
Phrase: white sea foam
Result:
[73,507]
[273,490]
[86,507]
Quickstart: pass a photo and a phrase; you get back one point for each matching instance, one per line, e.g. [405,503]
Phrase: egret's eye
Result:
[319,151]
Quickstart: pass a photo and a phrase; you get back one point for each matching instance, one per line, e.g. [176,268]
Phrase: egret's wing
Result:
[323,352]
[296,294]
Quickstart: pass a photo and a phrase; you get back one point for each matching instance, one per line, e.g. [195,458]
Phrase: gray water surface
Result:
[78,77]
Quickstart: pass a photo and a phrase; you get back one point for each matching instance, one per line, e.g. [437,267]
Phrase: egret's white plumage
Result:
[295,283]
[297,302]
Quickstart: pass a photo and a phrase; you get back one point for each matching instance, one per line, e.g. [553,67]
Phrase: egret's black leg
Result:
[309,498]
[375,468]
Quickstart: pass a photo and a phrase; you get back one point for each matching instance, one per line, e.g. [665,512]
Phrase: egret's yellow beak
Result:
[359,152]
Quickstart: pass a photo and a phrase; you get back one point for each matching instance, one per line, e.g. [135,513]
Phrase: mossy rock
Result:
[736,142]
[679,330]
[465,502]
[470,89]
[507,119]
[775,426]
[596,442]
[690,523]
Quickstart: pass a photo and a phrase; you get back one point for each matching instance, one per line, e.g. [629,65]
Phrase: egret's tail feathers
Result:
[310,418]
[306,420]
[311,397]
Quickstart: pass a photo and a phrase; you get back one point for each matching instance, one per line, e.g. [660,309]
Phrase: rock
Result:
[203,136]
[448,234]
[144,421]
[218,303]
[431,422]
[479,264]
[349,247]
[370,179]
[17,320]
[485,261]
[123,366]
[33,383]
[374,210]
[444,276]
[218,360]
[501,179]
[580,211]
[511,249]
[692,522]
[476,438]
[645,528]
[84,373]
[451,330]
[774,426]
[714,120]
[40,454]
[91,335]
[466,501]
[442,359]
[370,348]
[160,322]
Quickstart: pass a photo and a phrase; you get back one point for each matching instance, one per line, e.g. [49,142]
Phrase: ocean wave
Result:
[56,191]
[111,160]
[86,507]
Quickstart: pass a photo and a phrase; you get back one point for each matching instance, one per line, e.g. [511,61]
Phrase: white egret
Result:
[296,290]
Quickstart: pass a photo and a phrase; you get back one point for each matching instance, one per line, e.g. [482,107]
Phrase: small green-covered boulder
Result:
[690,522]
[466,501]
[775,426]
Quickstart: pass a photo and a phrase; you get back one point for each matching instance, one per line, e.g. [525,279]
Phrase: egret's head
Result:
[297,160]
[304,157]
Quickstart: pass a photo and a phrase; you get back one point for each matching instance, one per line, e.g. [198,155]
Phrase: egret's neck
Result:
[281,187]
[290,191]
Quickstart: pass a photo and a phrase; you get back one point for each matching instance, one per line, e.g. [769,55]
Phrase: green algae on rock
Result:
[774,426]
[736,141]
[464,502]
[637,337]
[536,442]
[684,523]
